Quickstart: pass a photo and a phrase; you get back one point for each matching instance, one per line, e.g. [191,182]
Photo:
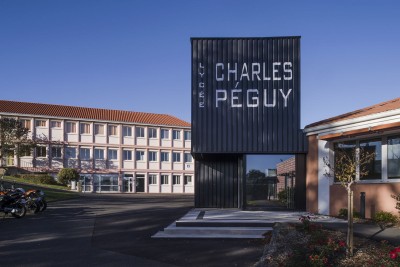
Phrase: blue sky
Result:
[135,55]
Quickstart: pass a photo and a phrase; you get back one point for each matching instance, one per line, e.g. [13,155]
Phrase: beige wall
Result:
[312,175]
[377,198]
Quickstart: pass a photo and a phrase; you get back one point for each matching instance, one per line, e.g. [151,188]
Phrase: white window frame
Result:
[152,156]
[162,156]
[165,134]
[152,179]
[188,158]
[176,134]
[140,155]
[111,152]
[140,132]
[55,124]
[176,179]
[70,127]
[98,154]
[41,123]
[85,128]
[26,124]
[113,130]
[187,135]
[42,148]
[67,154]
[176,157]
[127,131]
[58,152]
[164,179]
[99,129]
[127,155]
[82,149]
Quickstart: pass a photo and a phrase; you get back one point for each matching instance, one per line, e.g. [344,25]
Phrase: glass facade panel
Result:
[374,168]
[393,157]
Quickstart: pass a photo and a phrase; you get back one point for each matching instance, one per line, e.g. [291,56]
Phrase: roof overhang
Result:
[375,123]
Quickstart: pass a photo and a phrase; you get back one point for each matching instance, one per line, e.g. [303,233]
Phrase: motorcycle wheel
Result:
[33,207]
[21,211]
[43,205]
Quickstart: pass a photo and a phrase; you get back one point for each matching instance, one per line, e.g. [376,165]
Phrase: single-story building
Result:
[376,127]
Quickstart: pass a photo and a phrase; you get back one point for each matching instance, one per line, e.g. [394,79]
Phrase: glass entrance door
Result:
[267,186]
[139,183]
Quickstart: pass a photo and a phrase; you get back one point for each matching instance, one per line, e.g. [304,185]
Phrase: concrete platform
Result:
[232,223]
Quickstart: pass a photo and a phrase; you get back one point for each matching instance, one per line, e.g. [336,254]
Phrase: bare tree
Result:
[348,164]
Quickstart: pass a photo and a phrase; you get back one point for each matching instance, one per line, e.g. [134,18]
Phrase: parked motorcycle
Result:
[36,197]
[12,202]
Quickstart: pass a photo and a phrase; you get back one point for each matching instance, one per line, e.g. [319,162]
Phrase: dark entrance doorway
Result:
[139,183]
[269,182]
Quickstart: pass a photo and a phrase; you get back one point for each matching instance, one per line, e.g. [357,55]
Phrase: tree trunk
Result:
[349,240]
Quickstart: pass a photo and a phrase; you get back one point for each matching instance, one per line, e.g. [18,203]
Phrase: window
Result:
[56,152]
[40,123]
[375,166]
[70,152]
[112,130]
[41,152]
[127,131]
[188,180]
[187,135]
[98,153]
[393,157]
[176,157]
[112,154]
[176,179]
[152,133]
[99,129]
[25,151]
[152,179]
[127,154]
[176,134]
[347,148]
[71,127]
[55,124]
[85,128]
[140,155]
[188,157]
[165,156]
[26,124]
[152,156]
[164,134]
[139,132]
[84,153]
[164,179]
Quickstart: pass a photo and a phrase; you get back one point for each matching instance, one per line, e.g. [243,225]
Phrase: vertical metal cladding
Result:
[219,181]
[246,95]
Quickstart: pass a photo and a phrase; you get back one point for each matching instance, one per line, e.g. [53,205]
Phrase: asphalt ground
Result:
[115,230]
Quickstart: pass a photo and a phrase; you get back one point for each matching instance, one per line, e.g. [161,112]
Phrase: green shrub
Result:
[66,175]
[343,213]
[385,219]
[282,196]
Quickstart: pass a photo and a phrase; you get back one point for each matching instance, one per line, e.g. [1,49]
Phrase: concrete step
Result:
[213,236]
[174,231]
[223,223]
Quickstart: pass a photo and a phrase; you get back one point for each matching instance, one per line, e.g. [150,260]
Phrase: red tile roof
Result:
[378,108]
[26,108]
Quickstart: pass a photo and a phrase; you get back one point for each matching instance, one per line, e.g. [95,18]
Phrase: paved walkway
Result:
[228,216]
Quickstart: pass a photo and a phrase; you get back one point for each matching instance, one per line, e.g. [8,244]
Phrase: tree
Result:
[13,138]
[348,164]
[66,175]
